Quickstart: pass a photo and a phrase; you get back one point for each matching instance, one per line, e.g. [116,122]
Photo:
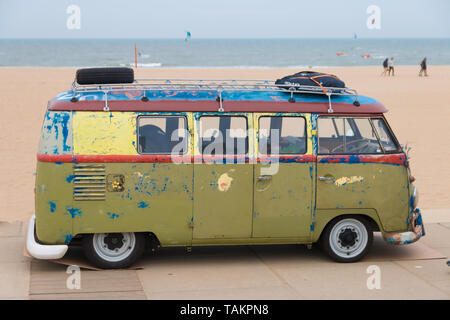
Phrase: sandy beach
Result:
[419,113]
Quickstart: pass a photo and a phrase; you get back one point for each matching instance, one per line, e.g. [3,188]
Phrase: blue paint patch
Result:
[113,215]
[56,137]
[165,184]
[67,238]
[52,206]
[74,212]
[70,178]
[155,95]
[312,226]
[142,204]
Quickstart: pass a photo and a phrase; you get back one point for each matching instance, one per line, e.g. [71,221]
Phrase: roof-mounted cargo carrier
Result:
[107,80]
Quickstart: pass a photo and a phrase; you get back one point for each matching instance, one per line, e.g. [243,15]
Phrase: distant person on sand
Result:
[385,67]
[391,66]
[423,67]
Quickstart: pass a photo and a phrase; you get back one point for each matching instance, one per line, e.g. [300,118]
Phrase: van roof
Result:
[226,95]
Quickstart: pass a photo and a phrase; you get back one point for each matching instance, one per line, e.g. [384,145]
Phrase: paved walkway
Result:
[256,272]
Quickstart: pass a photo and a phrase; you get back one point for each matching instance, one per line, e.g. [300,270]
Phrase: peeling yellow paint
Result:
[104,133]
[224,182]
[347,180]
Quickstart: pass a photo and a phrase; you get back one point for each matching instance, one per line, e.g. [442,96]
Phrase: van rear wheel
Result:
[113,250]
[347,239]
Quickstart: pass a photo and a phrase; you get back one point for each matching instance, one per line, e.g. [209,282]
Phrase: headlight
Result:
[415,197]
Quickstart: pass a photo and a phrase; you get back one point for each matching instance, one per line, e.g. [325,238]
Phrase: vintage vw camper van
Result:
[124,163]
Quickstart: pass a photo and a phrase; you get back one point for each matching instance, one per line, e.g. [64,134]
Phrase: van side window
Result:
[162,135]
[223,135]
[385,137]
[348,136]
[282,135]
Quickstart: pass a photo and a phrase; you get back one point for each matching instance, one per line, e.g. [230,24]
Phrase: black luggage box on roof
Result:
[311,79]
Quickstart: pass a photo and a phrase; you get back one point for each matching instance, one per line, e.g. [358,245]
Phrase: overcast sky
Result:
[224,19]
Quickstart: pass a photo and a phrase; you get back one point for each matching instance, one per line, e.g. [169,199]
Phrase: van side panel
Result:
[53,198]
[155,195]
[359,184]
[53,202]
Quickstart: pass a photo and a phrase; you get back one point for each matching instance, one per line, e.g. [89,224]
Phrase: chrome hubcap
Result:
[348,238]
[114,247]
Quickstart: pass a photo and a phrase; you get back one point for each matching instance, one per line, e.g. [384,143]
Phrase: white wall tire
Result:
[347,239]
[113,250]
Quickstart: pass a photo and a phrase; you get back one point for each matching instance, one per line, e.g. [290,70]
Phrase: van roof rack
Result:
[218,85]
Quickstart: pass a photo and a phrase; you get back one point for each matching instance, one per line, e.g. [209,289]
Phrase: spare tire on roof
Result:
[313,79]
[104,75]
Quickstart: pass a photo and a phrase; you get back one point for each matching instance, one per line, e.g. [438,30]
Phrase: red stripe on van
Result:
[294,158]
[396,159]
[113,158]
[172,159]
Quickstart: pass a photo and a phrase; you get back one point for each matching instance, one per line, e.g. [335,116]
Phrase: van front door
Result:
[284,177]
[223,177]
[360,169]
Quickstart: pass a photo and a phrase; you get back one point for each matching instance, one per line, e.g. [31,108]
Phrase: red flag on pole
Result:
[135,56]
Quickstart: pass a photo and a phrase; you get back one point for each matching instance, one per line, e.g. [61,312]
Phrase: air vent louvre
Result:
[89,182]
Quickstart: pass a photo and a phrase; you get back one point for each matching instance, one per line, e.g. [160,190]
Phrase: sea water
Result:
[224,53]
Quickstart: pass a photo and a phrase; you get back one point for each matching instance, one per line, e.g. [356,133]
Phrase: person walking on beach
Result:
[423,67]
[391,66]
[385,67]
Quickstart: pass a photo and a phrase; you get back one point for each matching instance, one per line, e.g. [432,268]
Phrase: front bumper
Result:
[42,251]
[417,231]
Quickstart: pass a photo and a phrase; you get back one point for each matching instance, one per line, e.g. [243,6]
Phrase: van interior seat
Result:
[153,140]
[215,147]
[323,150]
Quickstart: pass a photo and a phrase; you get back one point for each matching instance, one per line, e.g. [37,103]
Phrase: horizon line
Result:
[226,38]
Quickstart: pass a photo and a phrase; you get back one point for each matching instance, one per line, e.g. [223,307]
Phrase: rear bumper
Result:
[417,231]
[42,251]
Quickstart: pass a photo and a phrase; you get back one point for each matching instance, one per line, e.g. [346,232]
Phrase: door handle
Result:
[326,178]
[264,178]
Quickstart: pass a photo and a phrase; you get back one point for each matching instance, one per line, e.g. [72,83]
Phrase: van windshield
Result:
[349,135]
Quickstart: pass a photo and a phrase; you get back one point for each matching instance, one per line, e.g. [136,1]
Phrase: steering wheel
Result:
[363,145]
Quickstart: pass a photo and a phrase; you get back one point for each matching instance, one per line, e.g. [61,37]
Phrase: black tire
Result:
[340,232]
[104,75]
[131,254]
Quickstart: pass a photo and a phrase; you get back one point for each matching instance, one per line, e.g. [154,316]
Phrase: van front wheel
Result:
[113,250]
[347,239]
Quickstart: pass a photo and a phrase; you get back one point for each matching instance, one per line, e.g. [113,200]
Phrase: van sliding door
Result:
[223,177]
[284,177]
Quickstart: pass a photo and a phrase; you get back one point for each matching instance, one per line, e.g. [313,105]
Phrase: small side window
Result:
[385,136]
[223,135]
[282,135]
[162,135]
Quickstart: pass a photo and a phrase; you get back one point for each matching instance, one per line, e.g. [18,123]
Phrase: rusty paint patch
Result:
[348,180]
[224,182]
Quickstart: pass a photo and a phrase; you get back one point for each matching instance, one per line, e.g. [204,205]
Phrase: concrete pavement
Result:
[255,272]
